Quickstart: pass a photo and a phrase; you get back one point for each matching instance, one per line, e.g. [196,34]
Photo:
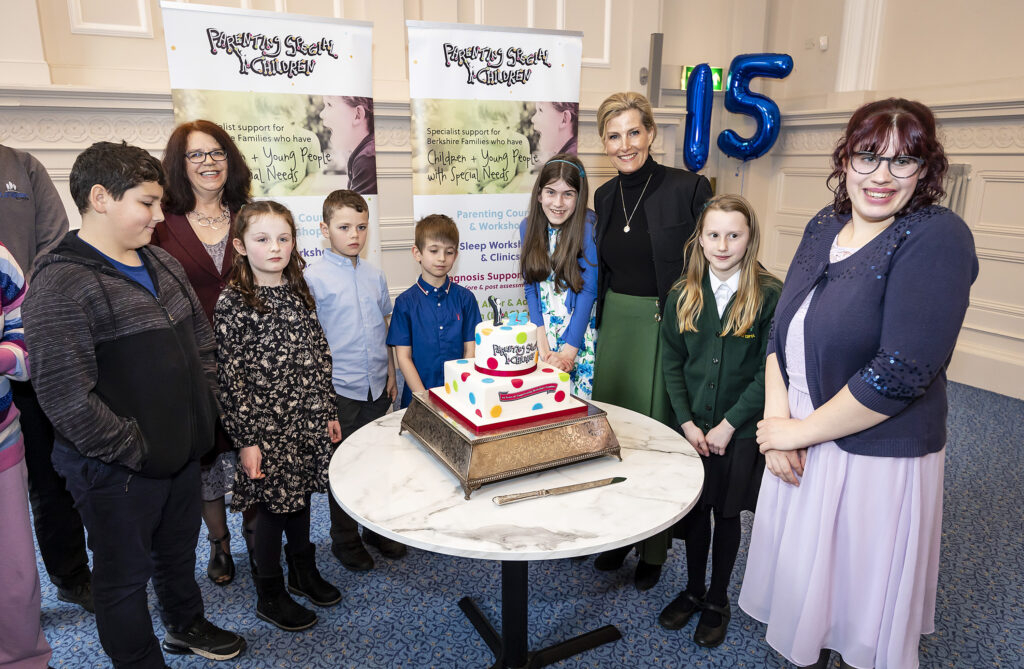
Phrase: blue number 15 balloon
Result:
[740,100]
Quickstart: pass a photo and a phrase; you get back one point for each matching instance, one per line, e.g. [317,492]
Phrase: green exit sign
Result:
[716,77]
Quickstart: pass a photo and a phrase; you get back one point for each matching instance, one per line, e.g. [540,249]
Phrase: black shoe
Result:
[203,638]
[353,556]
[304,579]
[709,636]
[680,610]
[80,594]
[611,560]
[221,568]
[278,608]
[646,576]
[389,548]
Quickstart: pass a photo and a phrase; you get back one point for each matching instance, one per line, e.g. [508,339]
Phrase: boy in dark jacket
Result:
[123,367]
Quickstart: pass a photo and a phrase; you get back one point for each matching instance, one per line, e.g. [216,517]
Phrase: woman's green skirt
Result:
[627,373]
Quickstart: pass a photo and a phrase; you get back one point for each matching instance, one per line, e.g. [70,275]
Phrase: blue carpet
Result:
[405,613]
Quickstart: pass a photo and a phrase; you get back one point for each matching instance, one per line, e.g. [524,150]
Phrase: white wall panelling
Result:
[862,32]
[142,27]
[605,59]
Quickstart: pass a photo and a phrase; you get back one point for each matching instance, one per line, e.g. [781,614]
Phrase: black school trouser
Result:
[353,414]
[139,529]
[57,524]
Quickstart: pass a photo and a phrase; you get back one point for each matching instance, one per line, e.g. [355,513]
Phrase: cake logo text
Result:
[516,354]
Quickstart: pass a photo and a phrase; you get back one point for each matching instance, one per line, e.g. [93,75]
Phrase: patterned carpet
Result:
[405,613]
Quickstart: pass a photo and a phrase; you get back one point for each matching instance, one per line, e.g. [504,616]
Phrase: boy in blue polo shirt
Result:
[353,305]
[434,320]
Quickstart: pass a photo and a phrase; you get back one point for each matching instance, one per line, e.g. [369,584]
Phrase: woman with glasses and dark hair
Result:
[207,183]
[845,545]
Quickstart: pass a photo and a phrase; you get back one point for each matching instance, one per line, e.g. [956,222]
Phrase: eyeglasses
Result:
[200,156]
[901,167]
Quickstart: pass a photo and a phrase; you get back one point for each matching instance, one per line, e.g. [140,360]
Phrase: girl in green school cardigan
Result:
[713,353]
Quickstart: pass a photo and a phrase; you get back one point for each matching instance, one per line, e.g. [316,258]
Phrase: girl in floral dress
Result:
[559,266]
[274,368]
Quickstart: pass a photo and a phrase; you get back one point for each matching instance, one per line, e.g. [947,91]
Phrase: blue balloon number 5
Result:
[740,100]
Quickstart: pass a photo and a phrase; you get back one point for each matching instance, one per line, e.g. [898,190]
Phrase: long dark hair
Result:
[911,125]
[535,263]
[241,278]
[179,197]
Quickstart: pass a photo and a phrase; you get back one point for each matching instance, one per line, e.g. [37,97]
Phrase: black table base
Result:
[511,649]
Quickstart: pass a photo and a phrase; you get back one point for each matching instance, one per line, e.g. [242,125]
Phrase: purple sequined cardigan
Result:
[883,322]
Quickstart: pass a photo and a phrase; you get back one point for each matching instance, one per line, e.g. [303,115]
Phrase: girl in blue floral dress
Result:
[559,266]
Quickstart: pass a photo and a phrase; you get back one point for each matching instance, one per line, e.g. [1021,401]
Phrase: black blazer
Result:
[672,211]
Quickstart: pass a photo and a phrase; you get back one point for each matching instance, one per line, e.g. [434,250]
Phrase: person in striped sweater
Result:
[22,642]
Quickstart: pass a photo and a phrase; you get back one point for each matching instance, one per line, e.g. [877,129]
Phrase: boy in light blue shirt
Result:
[354,308]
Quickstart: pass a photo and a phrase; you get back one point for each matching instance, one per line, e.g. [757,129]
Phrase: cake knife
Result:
[546,492]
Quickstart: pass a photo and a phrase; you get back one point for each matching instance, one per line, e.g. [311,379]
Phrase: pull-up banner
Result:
[487,112]
[294,92]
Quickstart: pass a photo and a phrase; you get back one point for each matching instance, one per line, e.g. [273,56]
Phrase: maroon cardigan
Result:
[175,236]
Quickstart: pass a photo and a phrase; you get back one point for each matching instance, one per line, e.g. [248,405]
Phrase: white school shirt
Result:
[723,290]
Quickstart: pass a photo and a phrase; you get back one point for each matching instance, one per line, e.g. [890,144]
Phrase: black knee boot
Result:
[304,578]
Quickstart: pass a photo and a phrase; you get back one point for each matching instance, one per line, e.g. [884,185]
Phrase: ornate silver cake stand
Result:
[476,459]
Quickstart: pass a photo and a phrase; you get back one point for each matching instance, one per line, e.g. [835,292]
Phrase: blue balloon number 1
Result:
[739,100]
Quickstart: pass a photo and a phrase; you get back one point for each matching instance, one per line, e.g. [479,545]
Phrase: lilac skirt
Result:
[848,560]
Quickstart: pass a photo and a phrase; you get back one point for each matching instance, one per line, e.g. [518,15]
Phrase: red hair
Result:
[911,125]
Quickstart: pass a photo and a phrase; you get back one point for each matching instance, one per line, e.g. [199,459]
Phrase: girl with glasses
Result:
[844,549]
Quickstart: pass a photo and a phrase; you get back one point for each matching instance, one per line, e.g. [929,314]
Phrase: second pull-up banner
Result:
[487,110]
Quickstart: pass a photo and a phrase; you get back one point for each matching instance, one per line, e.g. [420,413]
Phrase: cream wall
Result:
[77,71]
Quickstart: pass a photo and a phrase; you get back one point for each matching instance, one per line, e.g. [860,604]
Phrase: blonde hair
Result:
[748,301]
[618,103]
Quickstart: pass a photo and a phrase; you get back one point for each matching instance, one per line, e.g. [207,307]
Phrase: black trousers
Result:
[269,528]
[57,524]
[139,529]
[353,414]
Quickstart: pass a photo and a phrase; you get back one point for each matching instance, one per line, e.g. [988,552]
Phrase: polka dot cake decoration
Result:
[504,384]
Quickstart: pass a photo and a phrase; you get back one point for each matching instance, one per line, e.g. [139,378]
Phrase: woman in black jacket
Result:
[644,217]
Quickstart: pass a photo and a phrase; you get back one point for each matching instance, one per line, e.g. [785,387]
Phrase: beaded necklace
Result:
[212,222]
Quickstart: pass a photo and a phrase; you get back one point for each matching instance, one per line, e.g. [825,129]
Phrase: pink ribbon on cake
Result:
[495,372]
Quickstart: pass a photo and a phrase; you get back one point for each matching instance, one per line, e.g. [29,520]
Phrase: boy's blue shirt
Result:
[137,273]
[435,322]
[352,303]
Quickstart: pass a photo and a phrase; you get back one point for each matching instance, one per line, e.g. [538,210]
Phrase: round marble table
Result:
[394,486]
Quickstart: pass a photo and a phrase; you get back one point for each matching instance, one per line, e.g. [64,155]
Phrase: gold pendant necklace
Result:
[629,217]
